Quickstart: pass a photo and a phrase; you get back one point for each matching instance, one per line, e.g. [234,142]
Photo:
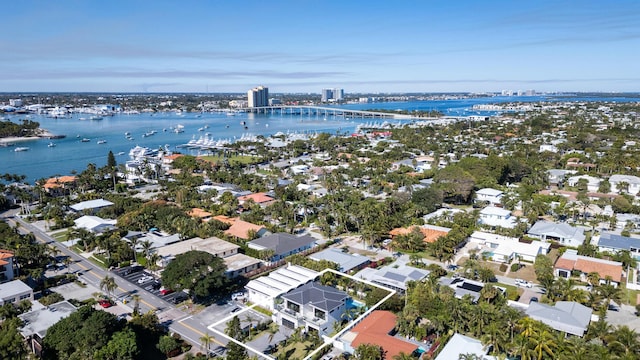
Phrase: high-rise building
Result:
[338,94]
[327,94]
[258,97]
[331,95]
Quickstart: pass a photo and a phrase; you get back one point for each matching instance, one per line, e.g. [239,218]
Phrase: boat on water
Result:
[102,141]
[179,129]
[96,117]
[21,148]
[120,153]
[51,144]
[85,140]
[82,118]
[127,133]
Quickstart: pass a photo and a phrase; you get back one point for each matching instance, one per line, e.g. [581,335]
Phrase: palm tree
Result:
[403,356]
[273,330]
[624,341]
[152,261]
[136,304]
[67,262]
[134,243]
[544,342]
[601,330]
[610,293]
[108,284]
[205,342]
[146,248]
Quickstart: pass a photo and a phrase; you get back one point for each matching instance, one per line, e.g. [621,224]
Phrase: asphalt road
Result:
[176,319]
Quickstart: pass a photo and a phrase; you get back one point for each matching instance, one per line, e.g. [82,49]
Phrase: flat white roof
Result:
[282,280]
[91,204]
[239,261]
[15,287]
[212,245]
[521,248]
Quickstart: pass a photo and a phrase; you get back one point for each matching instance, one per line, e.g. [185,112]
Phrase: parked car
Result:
[165,291]
[180,297]
[105,303]
[144,279]
[520,282]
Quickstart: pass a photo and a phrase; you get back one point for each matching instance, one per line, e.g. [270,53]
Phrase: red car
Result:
[165,291]
[105,303]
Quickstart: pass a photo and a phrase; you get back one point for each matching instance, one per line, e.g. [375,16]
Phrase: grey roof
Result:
[38,321]
[462,287]
[616,241]
[393,277]
[568,316]
[319,296]
[345,261]
[91,204]
[282,243]
[561,230]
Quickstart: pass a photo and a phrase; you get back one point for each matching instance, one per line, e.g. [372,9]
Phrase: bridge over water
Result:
[323,111]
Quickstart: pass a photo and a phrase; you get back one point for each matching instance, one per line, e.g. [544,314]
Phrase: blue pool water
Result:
[354,304]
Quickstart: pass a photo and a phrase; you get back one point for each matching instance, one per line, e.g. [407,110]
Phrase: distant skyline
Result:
[304,46]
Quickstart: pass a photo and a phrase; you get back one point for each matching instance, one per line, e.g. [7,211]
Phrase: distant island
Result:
[26,130]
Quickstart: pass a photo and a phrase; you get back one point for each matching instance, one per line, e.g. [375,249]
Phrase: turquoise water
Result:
[354,304]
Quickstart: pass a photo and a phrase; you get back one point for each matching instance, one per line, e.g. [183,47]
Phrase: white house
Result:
[13,292]
[562,233]
[265,289]
[566,316]
[557,176]
[593,183]
[94,224]
[506,249]
[7,265]
[548,147]
[462,345]
[489,195]
[495,216]
[624,184]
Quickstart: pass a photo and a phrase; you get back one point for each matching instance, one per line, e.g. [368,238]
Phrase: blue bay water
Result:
[70,154]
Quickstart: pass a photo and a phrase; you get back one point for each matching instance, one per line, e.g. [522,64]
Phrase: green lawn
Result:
[630,296]
[234,159]
[296,350]
[60,235]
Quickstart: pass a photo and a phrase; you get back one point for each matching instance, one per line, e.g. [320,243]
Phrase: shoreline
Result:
[42,134]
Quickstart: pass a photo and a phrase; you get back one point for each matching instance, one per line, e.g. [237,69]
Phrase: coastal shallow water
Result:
[71,154]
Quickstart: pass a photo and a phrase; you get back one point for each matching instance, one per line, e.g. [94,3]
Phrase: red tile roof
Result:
[586,265]
[57,182]
[375,329]
[240,228]
[430,235]
[258,198]
[5,254]
[199,213]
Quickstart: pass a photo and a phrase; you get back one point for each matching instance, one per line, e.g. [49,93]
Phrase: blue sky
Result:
[304,46]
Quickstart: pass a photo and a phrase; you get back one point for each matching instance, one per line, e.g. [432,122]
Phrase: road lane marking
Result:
[199,332]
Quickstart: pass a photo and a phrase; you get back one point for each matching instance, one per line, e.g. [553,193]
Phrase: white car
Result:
[145,278]
[520,282]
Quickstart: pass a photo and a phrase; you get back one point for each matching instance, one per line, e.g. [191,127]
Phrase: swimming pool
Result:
[354,304]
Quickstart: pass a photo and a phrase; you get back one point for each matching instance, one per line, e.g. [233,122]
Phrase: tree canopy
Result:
[198,271]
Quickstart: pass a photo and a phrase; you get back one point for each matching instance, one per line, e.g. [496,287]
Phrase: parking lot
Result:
[147,281]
